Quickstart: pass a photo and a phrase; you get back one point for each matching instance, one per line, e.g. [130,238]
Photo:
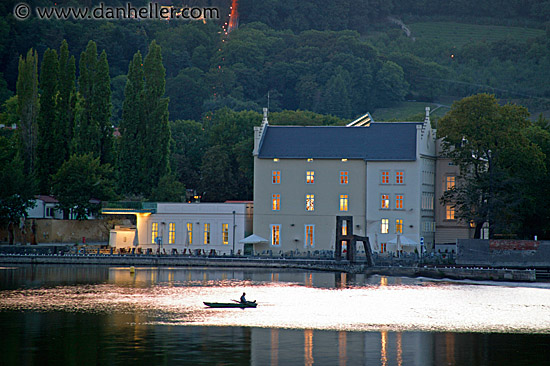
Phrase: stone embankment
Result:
[458,273]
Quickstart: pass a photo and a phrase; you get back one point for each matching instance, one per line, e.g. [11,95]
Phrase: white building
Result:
[381,174]
[45,207]
[186,227]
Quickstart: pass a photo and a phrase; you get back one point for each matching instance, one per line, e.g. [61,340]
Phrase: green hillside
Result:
[460,33]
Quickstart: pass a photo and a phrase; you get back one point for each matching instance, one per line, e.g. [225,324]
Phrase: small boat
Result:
[248,304]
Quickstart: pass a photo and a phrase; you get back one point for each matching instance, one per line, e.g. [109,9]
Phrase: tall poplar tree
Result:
[132,130]
[66,98]
[93,131]
[155,113]
[27,108]
[102,108]
[47,120]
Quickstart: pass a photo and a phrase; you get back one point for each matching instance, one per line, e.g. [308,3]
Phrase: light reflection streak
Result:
[399,345]
[308,347]
[274,347]
[342,349]
[383,347]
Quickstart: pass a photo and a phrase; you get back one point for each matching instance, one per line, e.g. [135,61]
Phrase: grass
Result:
[460,33]
[408,111]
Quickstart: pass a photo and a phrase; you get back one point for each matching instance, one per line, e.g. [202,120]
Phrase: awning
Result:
[402,240]
[253,239]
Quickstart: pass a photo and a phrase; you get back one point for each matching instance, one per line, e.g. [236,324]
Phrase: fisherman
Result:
[243,299]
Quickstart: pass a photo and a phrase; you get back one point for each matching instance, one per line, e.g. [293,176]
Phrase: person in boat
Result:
[243,299]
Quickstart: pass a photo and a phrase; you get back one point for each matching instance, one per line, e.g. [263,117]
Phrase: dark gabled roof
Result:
[380,141]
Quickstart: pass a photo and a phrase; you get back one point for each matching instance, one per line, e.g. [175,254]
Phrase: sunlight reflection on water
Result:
[315,301]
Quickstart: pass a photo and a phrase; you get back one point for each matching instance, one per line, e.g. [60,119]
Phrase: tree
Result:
[78,181]
[188,147]
[46,150]
[17,192]
[217,184]
[132,130]
[65,104]
[93,131]
[390,83]
[156,141]
[27,108]
[168,190]
[496,162]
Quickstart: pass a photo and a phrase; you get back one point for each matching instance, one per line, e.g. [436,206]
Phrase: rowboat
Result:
[248,304]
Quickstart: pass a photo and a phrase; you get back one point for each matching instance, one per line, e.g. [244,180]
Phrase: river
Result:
[105,315]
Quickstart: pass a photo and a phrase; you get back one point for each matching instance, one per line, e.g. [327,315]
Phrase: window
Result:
[384,226]
[427,201]
[310,202]
[172,233]
[310,177]
[50,211]
[399,177]
[225,234]
[206,233]
[343,177]
[385,201]
[190,233]
[449,212]
[154,232]
[343,202]
[276,202]
[399,201]
[385,177]
[310,236]
[275,234]
[449,183]
[399,226]
[383,248]
[344,227]
[276,175]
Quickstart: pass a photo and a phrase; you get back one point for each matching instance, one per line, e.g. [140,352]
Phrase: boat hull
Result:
[230,305]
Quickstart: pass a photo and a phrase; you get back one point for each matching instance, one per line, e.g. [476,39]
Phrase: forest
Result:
[311,62]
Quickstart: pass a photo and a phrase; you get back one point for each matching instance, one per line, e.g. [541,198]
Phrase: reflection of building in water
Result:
[152,275]
[282,347]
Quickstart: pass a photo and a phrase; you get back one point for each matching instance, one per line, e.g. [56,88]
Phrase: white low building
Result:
[185,227]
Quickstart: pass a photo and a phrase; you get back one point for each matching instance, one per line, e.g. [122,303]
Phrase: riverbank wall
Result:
[478,274]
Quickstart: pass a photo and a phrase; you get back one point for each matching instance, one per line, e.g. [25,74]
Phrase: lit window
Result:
[344,160]
[399,226]
[384,226]
[344,227]
[154,232]
[276,160]
[172,233]
[399,177]
[449,212]
[310,202]
[309,160]
[399,201]
[206,233]
[383,248]
[275,234]
[385,177]
[385,201]
[190,233]
[276,202]
[449,183]
[225,234]
[310,236]
[343,202]
[343,177]
[310,177]
[276,177]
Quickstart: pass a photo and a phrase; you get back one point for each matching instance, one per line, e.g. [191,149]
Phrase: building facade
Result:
[189,227]
[381,174]
[449,227]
